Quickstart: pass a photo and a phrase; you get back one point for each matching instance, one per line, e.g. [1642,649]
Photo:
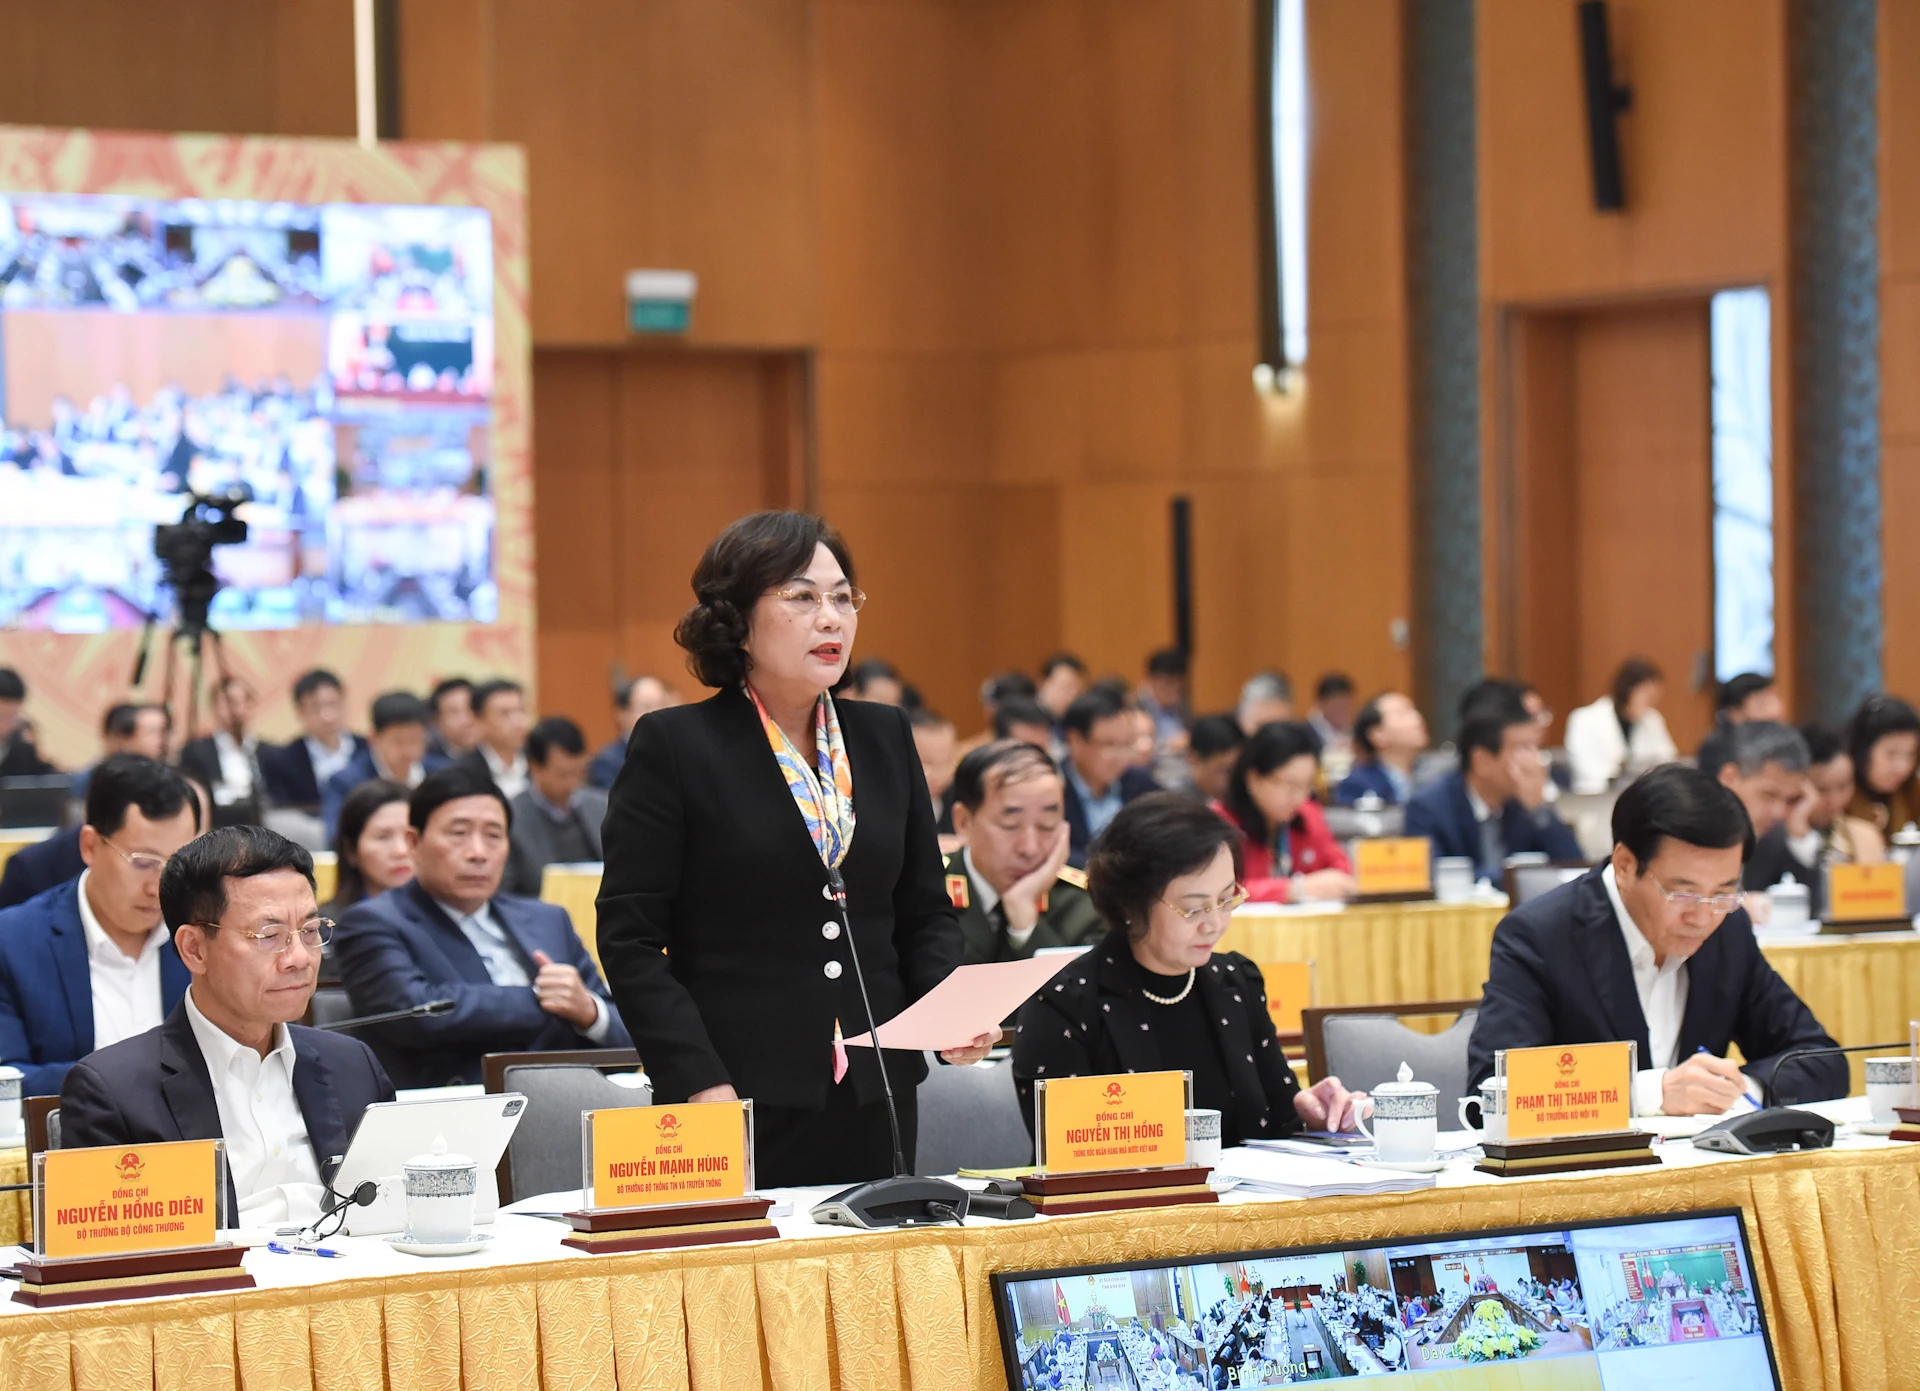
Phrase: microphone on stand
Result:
[1777,1127]
[420,1011]
[1770,1089]
[905,1200]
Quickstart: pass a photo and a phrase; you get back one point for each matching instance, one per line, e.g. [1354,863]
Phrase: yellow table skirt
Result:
[16,1209]
[1832,1236]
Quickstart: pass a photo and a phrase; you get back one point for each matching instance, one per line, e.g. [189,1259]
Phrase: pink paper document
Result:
[970,1002]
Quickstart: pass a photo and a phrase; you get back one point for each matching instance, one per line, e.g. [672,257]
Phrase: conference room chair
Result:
[970,1116]
[1349,823]
[1528,882]
[545,1152]
[43,1126]
[330,1004]
[1364,1045]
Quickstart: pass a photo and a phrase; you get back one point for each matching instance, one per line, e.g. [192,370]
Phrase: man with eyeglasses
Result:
[87,963]
[229,1063]
[1655,947]
[1100,778]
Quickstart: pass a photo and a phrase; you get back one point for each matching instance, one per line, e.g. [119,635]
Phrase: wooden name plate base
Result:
[91,1279]
[1620,1151]
[1909,1127]
[1411,896]
[1110,1190]
[607,1230]
[1846,927]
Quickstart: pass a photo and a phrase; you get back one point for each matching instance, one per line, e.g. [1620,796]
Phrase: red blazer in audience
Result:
[1311,841]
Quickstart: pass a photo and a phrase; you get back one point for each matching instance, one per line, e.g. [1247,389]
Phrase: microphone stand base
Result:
[905,1201]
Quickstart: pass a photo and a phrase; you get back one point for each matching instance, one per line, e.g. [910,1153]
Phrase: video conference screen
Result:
[333,361]
[1666,1302]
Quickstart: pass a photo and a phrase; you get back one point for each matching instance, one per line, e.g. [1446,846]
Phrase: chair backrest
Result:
[1528,882]
[970,1116]
[544,1154]
[43,1126]
[330,1005]
[1350,823]
[1364,1050]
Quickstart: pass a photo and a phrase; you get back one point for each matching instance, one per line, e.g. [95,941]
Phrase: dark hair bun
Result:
[744,561]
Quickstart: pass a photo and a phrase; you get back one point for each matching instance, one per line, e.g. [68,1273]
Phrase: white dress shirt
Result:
[126,989]
[236,767]
[988,898]
[1663,1000]
[269,1157]
[510,778]
[326,762]
[416,775]
[504,966]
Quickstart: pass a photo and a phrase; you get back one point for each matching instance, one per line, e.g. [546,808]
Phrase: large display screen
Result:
[334,361]
[1663,1302]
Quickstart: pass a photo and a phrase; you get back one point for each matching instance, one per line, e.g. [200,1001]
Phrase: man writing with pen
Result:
[1654,946]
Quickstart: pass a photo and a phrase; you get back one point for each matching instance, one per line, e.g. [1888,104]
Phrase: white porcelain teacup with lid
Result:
[441,1193]
[1405,1119]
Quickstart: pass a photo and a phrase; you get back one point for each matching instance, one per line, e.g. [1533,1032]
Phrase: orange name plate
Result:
[1289,991]
[1130,1120]
[1572,1089]
[656,1156]
[128,1201]
[1396,865]
[1866,893]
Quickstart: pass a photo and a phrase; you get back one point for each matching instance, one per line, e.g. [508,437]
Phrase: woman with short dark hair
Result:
[1154,995]
[1288,853]
[734,862]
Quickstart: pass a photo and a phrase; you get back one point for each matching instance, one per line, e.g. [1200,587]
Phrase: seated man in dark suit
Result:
[1654,947]
[1100,778]
[229,1062]
[640,696]
[127,728]
[520,980]
[1495,804]
[227,762]
[1766,769]
[1388,735]
[88,962]
[500,708]
[396,750]
[296,774]
[37,868]
[556,821]
[1010,882]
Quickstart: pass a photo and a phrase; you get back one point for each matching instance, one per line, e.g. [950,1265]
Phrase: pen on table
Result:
[1744,1095]
[282,1249]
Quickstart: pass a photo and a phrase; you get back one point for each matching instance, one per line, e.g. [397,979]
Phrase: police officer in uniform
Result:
[1010,883]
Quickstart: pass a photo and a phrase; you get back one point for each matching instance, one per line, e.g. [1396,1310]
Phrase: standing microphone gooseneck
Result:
[1770,1092]
[1778,1127]
[905,1200]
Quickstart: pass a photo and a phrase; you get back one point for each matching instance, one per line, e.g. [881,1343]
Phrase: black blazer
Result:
[287,772]
[1560,974]
[1134,782]
[155,1087]
[717,930]
[37,868]
[1091,1019]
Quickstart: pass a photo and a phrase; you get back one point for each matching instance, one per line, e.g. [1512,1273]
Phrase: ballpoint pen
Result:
[280,1248]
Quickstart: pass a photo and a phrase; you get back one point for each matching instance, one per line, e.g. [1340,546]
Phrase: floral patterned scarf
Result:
[824,793]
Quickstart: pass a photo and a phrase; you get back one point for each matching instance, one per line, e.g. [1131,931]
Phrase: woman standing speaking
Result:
[727,830]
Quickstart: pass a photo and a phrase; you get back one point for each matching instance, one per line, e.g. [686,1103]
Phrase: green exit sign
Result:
[660,301]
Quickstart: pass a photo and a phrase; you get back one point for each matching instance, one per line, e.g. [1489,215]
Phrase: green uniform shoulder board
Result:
[1075,877]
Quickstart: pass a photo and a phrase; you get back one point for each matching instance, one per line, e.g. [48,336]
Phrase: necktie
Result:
[1493,846]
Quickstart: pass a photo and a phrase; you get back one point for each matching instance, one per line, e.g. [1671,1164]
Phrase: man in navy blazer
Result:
[396,750]
[1098,769]
[37,868]
[229,1062]
[88,962]
[1654,948]
[1495,804]
[520,978]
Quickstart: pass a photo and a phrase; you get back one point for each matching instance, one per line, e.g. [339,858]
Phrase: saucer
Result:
[1872,1127]
[476,1242]
[1409,1166]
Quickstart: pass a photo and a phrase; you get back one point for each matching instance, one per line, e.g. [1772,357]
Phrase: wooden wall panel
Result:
[1900,339]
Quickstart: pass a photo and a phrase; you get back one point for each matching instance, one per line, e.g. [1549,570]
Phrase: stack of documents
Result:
[1299,1176]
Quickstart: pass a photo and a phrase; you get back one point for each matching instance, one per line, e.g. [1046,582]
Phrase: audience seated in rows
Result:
[453,731]
[500,713]
[33,869]
[556,821]
[1623,733]
[519,976]
[88,963]
[937,743]
[877,681]
[1287,852]
[1884,742]
[1025,719]
[631,700]
[396,750]
[1213,745]
[1749,696]
[227,761]
[1099,771]
[19,755]
[297,773]
[1766,769]
[1495,803]
[229,1062]
[370,851]
[1388,735]
[1332,716]
[1266,697]
[1063,680]
[1010,883]
[127,728]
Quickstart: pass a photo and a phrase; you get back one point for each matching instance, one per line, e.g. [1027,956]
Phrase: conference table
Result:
[911,1310]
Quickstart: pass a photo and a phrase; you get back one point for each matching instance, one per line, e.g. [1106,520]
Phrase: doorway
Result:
[1605,511]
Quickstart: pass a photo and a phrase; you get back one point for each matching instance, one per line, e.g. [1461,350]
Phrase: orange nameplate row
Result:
[126,1201]
[1399,865]
[1289,991]
[1130,1120]
[1865,893]
[1573,1089]
[651,1156]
